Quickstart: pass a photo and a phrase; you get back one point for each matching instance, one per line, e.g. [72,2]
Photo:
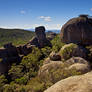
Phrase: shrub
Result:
[3,81]
[21,80]
[16,71]
[57,44]
[31,62]
[46,51]
[69,50]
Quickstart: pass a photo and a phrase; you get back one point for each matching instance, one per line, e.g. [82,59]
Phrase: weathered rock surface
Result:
[82,68]
[9,52]
[70,50]
[41,36]
[81,83]
[77,30]
[44,70]
[78,63]
[74,60]
[40,40]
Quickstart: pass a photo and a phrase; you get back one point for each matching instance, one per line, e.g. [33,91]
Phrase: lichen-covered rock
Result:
[70,50]
[82,83]
[74,60]
[82,68]
[78,63]
[45,69]
[78,30]
[54,56]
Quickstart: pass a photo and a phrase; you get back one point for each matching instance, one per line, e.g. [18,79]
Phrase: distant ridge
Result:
[52,30]
[16,36]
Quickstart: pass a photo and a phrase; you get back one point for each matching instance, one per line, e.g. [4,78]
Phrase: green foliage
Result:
[31,62]
[57,44]
[21,80]
[46,51]
[89,54]
[16,71]
[36,85]
[3,81]
[67,50]
[1,59]
[16,36]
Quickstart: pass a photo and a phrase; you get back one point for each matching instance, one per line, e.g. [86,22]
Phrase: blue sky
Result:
[50,13]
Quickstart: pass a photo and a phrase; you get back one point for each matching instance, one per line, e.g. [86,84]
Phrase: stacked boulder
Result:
[40,40]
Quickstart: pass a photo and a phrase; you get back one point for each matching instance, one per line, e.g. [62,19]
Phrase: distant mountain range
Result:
[52,30]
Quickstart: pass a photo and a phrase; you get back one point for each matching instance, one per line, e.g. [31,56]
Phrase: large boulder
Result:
[78,63]
[45,69]
[78,30]
[70,50]
[82,68]
[49,72]
[82,83]
[74,60]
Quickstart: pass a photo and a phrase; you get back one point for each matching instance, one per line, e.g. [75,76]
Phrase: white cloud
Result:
[91,9]
[45,18]
[23,12]
[32,26]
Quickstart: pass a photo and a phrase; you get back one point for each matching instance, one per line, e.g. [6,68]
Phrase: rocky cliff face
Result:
[77,30]
[40,40]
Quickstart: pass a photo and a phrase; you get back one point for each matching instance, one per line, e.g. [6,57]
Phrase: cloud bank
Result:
[45,18]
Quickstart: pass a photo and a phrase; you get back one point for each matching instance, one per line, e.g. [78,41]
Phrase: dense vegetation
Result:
[16,36]
[23,77]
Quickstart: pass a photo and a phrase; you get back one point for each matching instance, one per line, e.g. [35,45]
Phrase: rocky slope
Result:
[82,83]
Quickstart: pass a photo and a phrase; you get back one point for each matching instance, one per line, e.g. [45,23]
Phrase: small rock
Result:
[54,56]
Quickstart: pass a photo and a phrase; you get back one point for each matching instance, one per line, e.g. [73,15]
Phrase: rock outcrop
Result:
[9,52]
[40,40]
[70,50]
[74,60]
[82,68]
[45,69]
[54,56]
[78,63]
[81,83]
[78,30]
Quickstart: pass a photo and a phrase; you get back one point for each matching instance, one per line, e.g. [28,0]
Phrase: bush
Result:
[36,85]
[16,71]
[21,80]
[31,62]
[69,50]
[57,44]
[3,81]
[46,51]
